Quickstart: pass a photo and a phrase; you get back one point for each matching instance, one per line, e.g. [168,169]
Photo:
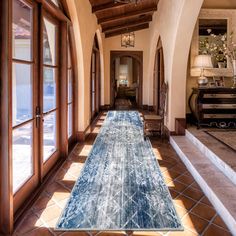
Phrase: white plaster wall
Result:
[85,27]
[174,22]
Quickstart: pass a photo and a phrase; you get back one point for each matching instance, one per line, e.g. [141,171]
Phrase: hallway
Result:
[196,212]
[66,63]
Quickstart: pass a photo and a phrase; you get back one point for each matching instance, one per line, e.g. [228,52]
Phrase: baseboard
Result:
[82,135]
[172,133]
[180,126]
[167,133]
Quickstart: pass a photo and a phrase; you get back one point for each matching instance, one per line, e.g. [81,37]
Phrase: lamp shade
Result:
[203,61]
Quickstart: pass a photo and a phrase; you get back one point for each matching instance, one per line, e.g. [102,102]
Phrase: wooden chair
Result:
[155,123]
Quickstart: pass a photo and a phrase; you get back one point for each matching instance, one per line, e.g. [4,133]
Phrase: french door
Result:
[158,77]
[49,105]
[95,83]
[24,99]
[34,96]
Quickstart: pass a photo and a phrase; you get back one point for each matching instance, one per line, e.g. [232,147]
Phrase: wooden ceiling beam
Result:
[106,6]
[126,24]
[125,27]
[127,15]
[130,29]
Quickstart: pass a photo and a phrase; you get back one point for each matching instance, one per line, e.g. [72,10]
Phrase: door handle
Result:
[37,116]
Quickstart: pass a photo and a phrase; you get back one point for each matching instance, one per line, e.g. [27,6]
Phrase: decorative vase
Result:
[234,73]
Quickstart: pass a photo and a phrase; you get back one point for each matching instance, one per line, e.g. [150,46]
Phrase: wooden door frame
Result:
[31,182]
[7,215]
[6,193]
[158,75]
[96,52]
[47,165]
[137,55]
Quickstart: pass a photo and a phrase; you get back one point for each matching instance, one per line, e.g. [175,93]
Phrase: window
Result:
[50,80]
[70,94]
[22,93]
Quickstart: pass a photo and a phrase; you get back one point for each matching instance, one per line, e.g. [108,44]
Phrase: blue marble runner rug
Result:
[120,186]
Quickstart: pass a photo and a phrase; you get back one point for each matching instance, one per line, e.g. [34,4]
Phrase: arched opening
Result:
[95,80]
[126,79]
[158,76]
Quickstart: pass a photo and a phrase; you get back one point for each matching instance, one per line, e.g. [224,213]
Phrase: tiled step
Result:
[216,186]
[213,157]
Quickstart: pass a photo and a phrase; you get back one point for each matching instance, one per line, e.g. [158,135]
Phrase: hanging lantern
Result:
[128,39]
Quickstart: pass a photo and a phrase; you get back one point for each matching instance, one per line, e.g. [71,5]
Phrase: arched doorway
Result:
[158,76]
[126,73]
[95,83]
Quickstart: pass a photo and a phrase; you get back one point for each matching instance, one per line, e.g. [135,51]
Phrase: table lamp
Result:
[202,62]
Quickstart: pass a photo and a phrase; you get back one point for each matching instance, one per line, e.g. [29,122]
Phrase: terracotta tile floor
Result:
[196,212]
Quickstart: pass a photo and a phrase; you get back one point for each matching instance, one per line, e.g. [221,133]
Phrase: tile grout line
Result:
[210,223]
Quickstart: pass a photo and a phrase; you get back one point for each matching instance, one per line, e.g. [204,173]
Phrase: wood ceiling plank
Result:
[121,22]
[135,28]
[107,6]
[117,17]
[127,15]
[128,24]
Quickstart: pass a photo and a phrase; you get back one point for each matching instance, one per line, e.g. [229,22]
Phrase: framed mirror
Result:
[212,40]
[211,34]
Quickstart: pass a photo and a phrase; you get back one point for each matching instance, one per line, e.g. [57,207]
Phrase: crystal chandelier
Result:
[127,1]
[128,39]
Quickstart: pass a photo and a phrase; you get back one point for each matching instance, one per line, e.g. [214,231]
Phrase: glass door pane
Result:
[22,93]
[49,89]
[22,81]
[49,135]
[93,83]
[22,155]
[69,120]
[49,42]
[22,30]
[70,103]
[50,73]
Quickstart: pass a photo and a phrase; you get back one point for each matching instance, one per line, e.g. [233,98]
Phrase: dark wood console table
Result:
[214,107]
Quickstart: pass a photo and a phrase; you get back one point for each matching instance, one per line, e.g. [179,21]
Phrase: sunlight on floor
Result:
[157,153]
[196,213]
[96,130]
[85,150]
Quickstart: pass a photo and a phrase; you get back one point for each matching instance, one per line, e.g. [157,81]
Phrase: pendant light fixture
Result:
[128,39]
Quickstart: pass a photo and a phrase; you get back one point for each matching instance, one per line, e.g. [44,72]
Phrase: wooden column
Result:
[6,199]
[63,90]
